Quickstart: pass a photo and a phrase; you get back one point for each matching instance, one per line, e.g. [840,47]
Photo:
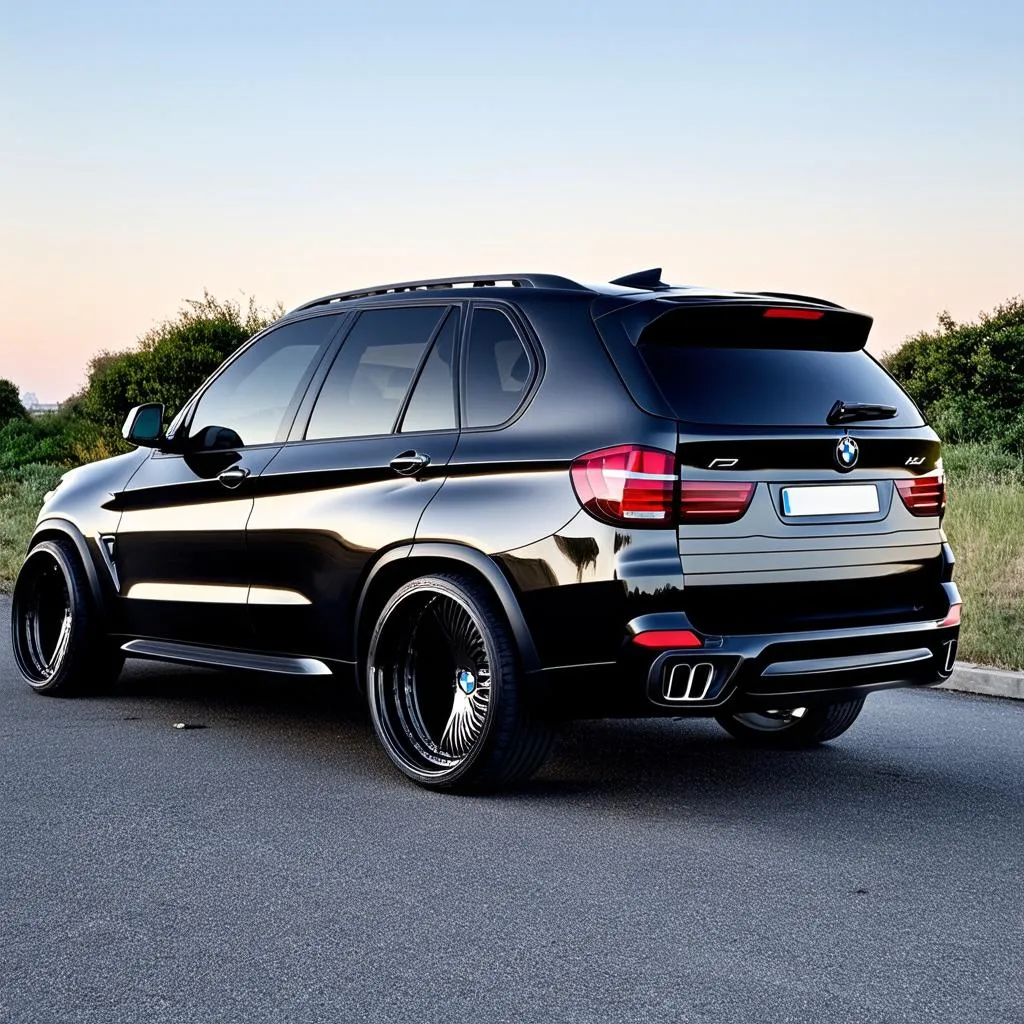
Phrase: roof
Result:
[645,284]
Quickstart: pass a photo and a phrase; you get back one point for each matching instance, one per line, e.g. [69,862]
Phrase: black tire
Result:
[59,644]
[445,689]
[794,727]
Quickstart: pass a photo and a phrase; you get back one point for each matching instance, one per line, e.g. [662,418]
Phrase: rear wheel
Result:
[792,727]
[58,644]
[445,689]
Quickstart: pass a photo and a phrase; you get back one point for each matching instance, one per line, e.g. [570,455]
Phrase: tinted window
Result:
[771,386]
[432,405]
[366,385]
[497,369]
[250,399]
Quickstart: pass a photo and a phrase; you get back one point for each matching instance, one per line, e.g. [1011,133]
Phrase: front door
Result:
[180,544]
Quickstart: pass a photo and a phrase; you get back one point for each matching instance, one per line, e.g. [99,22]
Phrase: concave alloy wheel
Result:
[792,727]
[58,643]
[42,618]
[443,688]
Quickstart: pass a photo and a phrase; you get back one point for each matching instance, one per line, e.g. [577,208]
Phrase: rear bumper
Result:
[769,670]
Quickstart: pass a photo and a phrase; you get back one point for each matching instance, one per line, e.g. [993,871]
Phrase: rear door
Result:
[810,485]
[369,450]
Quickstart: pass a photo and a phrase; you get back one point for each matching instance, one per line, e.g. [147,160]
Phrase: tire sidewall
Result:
[65,671]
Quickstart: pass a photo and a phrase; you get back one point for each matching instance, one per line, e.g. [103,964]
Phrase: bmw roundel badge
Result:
[847,452]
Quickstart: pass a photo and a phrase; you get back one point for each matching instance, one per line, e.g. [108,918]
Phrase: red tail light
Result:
[924,495]
[709,501]
[627,485]
[952,616]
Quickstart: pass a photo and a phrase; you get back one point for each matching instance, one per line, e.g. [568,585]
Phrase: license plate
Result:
[841,500]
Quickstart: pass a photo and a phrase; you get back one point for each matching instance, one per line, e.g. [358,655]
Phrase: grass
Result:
[21,494]
[984,521]
[985,525]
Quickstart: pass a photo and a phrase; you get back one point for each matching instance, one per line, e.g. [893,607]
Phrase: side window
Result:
[432,405]
[497,369]
[249,402]
[367,383]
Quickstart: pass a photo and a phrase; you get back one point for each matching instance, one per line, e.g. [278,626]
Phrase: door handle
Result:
[409,463]
[232,477]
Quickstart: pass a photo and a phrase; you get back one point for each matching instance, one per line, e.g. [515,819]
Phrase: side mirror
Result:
[145,425]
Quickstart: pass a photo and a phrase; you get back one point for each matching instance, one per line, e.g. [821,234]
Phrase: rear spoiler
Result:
[741,323]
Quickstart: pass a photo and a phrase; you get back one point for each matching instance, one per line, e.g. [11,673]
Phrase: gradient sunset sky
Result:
[870,153]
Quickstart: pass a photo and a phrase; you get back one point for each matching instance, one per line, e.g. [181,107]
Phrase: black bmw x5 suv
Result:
[500,501]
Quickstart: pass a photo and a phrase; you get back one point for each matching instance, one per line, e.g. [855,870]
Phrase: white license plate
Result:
[839,500]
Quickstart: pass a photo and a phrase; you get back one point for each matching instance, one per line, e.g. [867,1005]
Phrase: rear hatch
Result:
[811,489]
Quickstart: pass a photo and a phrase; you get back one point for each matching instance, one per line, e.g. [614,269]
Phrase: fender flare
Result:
[474,559]
[48,529]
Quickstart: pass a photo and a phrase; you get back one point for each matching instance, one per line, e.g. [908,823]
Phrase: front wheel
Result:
[792,727]
[58,644]
[445,689]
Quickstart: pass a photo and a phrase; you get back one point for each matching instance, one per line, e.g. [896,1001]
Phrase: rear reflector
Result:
[713,501]
[924,495]
[793,314]
[627,485]
[952,616]
[668,638]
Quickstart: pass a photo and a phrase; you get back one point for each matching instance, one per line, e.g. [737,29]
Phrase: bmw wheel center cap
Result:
[466,681]
[847,452]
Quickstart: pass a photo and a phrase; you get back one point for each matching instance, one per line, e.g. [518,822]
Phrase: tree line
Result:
[967,378]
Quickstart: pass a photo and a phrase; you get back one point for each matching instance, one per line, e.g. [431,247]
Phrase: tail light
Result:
[711,501]
[633,486]
[627,485]
[924,495]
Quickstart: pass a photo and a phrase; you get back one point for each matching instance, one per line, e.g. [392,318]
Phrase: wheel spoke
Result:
[466,721]
[434,683]
[63,639]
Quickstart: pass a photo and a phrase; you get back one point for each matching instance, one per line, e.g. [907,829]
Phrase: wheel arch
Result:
[404,563]
[64,529]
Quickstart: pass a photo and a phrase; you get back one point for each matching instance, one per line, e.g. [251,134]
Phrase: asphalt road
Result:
[272,867]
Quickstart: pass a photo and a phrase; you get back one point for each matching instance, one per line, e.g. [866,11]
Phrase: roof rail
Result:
[798,298]
[468,280]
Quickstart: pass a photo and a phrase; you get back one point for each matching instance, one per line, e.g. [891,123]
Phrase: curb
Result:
[992,682]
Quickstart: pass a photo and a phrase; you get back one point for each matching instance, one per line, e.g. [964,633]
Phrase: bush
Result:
[10,403]
[968,379]
[171,360]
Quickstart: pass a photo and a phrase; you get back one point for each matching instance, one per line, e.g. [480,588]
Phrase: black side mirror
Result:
[145,425]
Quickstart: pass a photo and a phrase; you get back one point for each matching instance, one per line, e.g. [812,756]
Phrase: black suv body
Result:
[501,501]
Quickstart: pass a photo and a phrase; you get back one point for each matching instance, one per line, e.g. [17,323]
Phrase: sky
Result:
[872,154]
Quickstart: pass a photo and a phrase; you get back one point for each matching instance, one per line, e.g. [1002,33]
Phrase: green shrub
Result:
[968,379]
[171,360]
[10,403]
[21,495]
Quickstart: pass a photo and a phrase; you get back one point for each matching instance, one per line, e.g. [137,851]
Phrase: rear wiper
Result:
[845,412]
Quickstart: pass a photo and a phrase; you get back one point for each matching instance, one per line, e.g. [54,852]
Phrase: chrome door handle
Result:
[232,477]
[409,463]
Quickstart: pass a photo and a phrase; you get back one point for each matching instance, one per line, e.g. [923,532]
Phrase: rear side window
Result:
[432,403]
[367,383]
[497,369]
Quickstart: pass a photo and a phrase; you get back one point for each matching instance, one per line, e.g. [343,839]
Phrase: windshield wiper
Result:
[846,412]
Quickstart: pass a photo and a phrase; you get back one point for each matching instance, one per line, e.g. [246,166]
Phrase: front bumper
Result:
[773,670]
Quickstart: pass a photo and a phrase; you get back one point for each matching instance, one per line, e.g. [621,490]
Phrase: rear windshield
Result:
[771,386]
